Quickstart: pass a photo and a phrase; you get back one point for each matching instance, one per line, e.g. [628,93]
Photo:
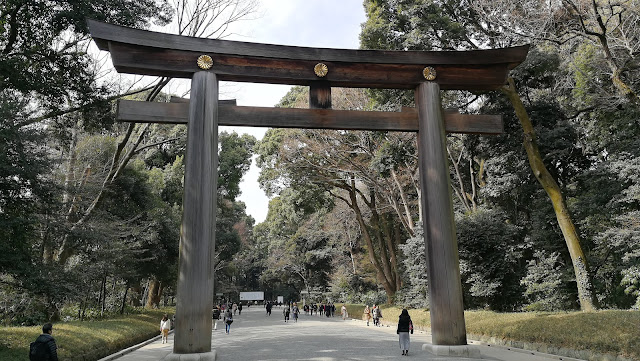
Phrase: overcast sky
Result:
[311,23]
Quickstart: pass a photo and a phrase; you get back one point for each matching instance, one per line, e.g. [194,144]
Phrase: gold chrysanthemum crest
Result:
[205,62]
[429,73]
[321,69]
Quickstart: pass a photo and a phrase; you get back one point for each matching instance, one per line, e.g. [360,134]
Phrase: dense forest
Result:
[547,214]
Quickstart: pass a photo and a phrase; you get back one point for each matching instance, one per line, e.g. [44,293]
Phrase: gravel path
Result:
[255,336]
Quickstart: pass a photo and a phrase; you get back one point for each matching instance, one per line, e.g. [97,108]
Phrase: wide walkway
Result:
[254,336]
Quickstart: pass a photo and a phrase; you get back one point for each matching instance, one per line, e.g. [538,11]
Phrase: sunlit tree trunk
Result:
[155,293]
[381,264]
[586,295]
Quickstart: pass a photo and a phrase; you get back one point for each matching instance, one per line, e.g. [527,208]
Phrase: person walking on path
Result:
[343,312]
[44,348]
[165,326]
[296,312]
[374,313]
[377,315]
[405,326]
[239,308]
[269,306]
[235,308]
[286,313]
[228,320]
[366,315]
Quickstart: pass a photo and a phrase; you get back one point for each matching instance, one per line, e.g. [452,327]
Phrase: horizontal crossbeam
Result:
[151,53]
[231,115]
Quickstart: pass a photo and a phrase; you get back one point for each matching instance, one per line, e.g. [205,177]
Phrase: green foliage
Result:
[297,243]
[586,75]
[234,162]
[415,292]
[376,297]
[408,25]
[43,50]
[544,281]
[24,190]
[490,251]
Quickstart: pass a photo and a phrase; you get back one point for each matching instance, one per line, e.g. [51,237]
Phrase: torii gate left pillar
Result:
[197,235]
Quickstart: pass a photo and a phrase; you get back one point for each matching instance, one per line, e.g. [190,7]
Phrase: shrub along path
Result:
[254,336]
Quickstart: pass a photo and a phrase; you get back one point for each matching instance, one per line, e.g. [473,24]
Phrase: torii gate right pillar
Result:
[441,246]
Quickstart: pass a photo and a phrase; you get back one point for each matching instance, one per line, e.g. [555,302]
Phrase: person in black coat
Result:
[44,348]
[405,326]
[268,307]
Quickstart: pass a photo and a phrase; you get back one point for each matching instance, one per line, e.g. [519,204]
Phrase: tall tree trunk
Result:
[351,245]
[387,284]
[155,293]
[124,298]
[586,296]
[104,296]
[407,217]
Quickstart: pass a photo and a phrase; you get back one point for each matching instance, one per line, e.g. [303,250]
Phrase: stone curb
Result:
[131,348]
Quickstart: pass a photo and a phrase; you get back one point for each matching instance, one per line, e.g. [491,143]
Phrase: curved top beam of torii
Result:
[151,53]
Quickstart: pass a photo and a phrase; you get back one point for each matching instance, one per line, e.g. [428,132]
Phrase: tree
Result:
[544,283]
[415,292]
[489,260]
[299,251]
[599,44]
[586,293]
[90,197]
[355,168]
[428,25]
[43,49]
[609,26]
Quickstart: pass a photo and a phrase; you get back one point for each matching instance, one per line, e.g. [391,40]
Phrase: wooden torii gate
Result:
[207,61]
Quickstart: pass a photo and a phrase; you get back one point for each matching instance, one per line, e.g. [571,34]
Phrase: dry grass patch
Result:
[615,332]
[611,331]
[90,340]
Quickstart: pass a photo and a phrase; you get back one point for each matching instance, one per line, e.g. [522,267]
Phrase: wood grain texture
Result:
[136,59]
[197,234]
[320,95]
[103,33]
[406,121]
[443,266]
[175,99]
[151,53]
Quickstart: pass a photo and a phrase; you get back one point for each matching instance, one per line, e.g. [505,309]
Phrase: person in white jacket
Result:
[165,326]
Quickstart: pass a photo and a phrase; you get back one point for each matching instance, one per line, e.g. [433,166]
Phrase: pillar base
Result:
[469,351]
[205,356]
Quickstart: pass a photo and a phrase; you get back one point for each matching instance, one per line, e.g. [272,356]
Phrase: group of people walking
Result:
[227,311]
[326,309]
[375,314]
[291,310]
